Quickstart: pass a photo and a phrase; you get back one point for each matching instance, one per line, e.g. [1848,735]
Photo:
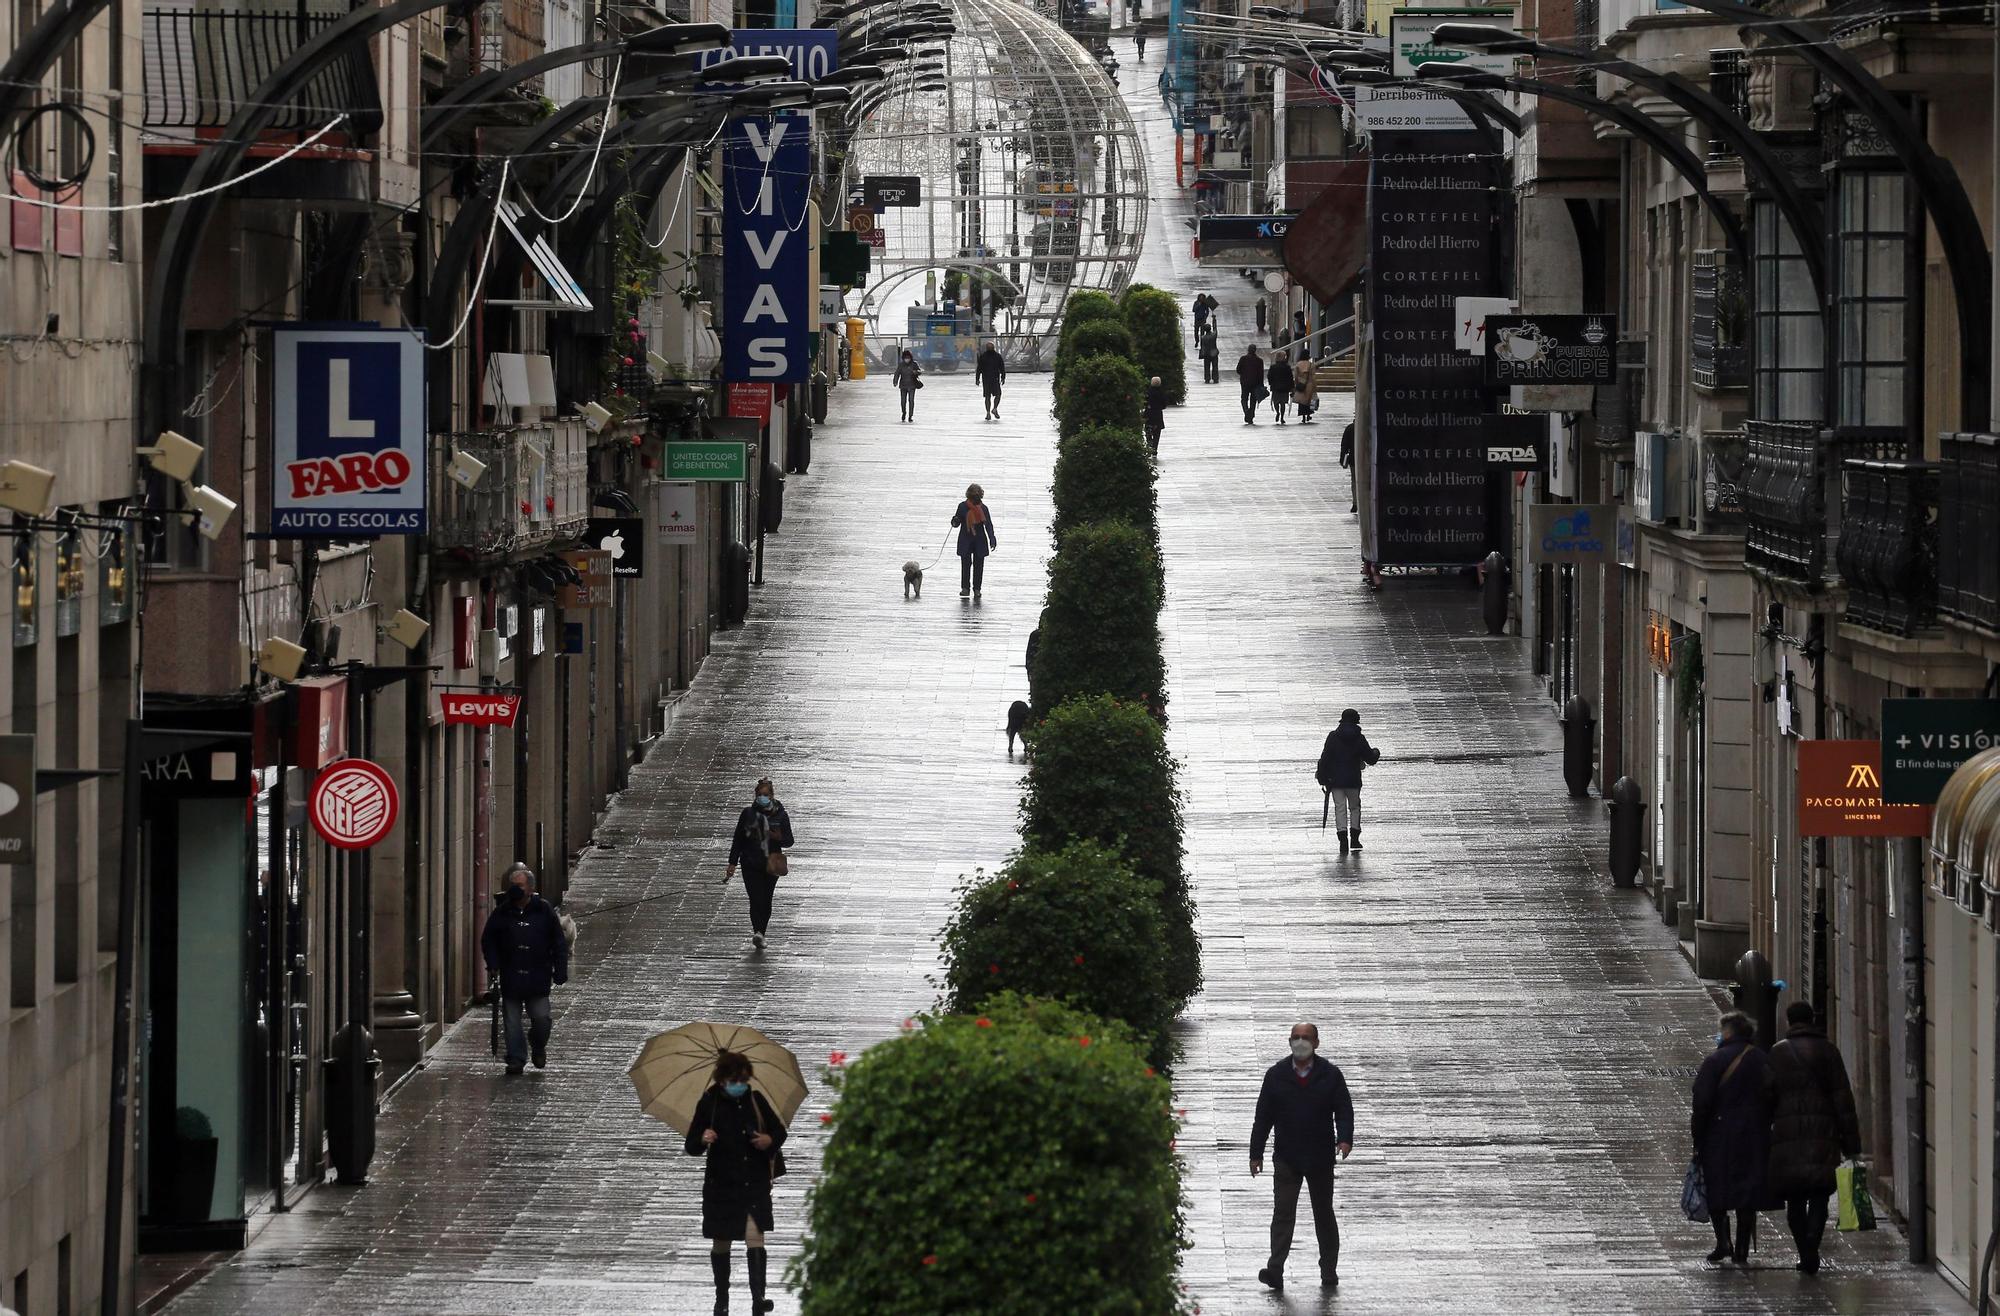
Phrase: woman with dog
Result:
[763,833]
[975,539]
[908,378]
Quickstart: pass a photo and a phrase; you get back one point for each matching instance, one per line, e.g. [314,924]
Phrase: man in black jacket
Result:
[1305,1100]
[1341,761]
[526,953]
[1250,374]
[991,368]
[1813,1127]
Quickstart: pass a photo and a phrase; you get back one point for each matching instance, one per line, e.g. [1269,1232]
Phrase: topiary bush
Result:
[1101,622]
[1105,474]
[1125,298]
[1101,772]
[1081,309]
[1154,317]
[1015,1164]
[1100,390]
[1076,925]
[1095,338]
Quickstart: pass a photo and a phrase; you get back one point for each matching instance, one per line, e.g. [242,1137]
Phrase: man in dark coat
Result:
[1813,1127]
[1347,462]
[1156,413]
[1250,374]
[526,954]
[1341,761]
[1208,345]
[1731,1126]
[992,370]
[1305,1100]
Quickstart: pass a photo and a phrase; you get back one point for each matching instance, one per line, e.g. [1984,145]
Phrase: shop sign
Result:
[882,191]
[1840,793]
[1400,109]
[768,333]
[479,708]
[1924,741]
[322,721]
[680,512]
[832,306]
[17,800]
[814,52]
[1516,442]
[348,432]
[353,804]
[1410,40]
[750,401]
[706,459]
[622,539]
[594,566]
[1580,533]
[1551,349]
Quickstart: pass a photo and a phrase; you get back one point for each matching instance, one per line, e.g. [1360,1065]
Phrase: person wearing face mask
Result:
[739,1134]
[526,955]
[1730,1122]
[763,834]
[1304,1100]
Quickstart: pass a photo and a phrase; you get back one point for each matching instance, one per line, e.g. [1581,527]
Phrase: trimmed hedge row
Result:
[1100,390]
[1105,474]
[1154,318]
[1101,624]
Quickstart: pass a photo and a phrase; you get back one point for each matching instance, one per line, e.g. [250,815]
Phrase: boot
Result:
[1354,838]
[719,1263]
[1343,842]
[1746,1239]
[758,1302]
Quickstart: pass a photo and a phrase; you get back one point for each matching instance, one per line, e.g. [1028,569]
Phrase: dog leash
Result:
[941,547]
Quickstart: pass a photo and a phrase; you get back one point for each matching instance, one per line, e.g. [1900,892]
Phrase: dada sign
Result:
[769,311]
[347,431]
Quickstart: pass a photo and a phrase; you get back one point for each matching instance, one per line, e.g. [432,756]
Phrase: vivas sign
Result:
[1571,532]
[768,309]
[347,431]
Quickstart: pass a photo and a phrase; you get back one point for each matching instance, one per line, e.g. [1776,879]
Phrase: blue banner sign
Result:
[348,431]
[768,311]
[814,51]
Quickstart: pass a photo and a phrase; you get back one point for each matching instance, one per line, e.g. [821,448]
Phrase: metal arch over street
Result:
[1033,181]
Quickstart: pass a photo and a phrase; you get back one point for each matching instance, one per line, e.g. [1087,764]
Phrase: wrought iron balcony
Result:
[534,492]
[1888,551]
[1791,499]
[200,66]
[1718,351]
[1969,529]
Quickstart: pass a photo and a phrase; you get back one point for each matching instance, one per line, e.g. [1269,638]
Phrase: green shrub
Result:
[1101,623]
[1076,925]
[1101,772]
[1105,475]
[1154,317]
[1081,309]
[1015,1164]
[1125,298]
[1095,338]
[1100,390]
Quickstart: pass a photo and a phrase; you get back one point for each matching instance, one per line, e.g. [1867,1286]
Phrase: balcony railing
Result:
[1791,500]
[1718,355]
[1969,529]
[533,494]
[1888,551]
[200,65]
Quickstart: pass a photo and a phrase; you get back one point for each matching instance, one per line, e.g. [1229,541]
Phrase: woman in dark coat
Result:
[1731,1125]
[1279,378]
[739,1133]
[1813,1128]
[1156,413]
[908,377]
[763,829]
[1341,761]
[975,539]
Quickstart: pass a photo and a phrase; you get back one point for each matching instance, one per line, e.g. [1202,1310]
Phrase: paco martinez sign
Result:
[1840,793]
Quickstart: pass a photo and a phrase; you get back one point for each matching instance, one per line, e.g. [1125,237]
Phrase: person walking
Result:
[1304,1098]
[1342,760]
[763,834]
[1279,380]
[992,370]
[1301,329]
[1156,413]
[975,540]
[1730,1121]
[908,377]
[1208,345]
[1263,314]
[1813,1128]
[526,955]
[1250,375]
[739,1134]
[1305,387]
[1347,462]
[1200,314]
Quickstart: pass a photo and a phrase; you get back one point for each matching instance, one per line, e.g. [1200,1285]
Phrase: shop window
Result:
[1789,362]
[1873,356]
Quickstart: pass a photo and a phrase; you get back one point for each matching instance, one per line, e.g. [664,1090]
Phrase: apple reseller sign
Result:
[769,312]
[624,538]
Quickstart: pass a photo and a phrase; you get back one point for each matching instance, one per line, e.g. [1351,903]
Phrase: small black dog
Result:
[1017,724]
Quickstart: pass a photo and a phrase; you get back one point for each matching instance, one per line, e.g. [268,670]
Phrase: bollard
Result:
[1493,593]
[1756,994]
[1627,820]
[735,583]
[350,1102]
[1578,746]
[771,498]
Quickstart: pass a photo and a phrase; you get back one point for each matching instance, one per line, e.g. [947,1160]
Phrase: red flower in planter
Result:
[931,1260]
[826,1118]
[1079,959]
[1031,1199]
[1149,1071]
[982,1022]
[1083,1041]
[837,1058]
[993,968]
[525,509]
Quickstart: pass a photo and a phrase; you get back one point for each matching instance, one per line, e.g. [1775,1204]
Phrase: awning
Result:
[568,293]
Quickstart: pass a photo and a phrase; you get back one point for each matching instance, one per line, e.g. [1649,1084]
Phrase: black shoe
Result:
[1354,838]
[1720,1255]
[1343,842]
[513,1069]
[540,1056]
[1272,1279]
[1329,1279]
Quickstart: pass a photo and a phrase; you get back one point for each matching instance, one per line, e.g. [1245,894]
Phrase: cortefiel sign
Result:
[769,313]
[1840,793]
[1581,533]
[882,191]
[1924,741]
[347,431]
[1551,349]
[814,52]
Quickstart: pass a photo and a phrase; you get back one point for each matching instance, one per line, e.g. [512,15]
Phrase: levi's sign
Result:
[483,708]
[769,313]
[348,431]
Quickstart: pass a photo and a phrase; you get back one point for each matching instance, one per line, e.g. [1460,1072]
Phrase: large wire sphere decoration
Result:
[1033,187]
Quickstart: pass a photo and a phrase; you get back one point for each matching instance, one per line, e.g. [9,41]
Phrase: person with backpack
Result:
[763,834]
[1341,761]
[526,955]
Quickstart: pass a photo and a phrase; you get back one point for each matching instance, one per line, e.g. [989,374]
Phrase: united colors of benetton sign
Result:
[347,431]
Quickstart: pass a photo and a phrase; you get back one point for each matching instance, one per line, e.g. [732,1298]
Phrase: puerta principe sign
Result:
[1924,741]
[1551,349]
[1840,793]
[1581,533]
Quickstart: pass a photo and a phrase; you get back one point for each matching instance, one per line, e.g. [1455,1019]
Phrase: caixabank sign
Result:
[347,431]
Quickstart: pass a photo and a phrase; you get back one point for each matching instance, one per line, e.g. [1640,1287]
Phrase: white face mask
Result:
[1302,1048]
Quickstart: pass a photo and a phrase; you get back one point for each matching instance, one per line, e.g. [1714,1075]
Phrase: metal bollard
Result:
[1493,592]
[350,1102]
[1579,729]
[1756,994]
[1627,820]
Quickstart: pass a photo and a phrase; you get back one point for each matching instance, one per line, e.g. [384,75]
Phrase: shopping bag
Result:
[1857,1205]
[1694,1192]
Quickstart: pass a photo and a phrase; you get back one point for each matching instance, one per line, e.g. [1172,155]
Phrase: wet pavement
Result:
[1519,1038]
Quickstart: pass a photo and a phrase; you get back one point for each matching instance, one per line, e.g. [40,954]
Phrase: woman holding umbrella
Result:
[740,1134]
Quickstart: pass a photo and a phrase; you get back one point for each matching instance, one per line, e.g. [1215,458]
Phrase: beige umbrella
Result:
[676,1067]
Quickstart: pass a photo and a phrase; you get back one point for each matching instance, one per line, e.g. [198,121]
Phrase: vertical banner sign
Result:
[768,309]
[1430,226]
[348,431]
